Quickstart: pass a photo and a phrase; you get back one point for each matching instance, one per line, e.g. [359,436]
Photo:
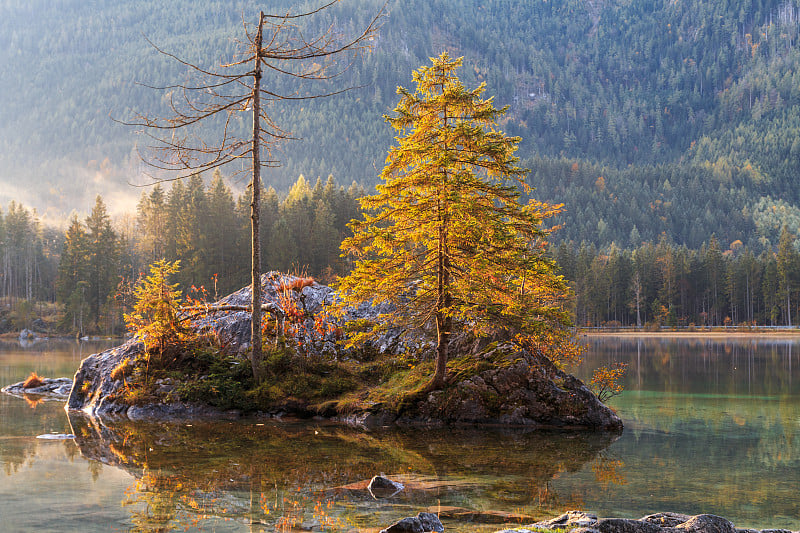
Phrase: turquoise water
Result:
[710,427]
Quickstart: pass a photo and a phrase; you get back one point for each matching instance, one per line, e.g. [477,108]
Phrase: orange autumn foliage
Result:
[605,381]
[297,285]
[33,381]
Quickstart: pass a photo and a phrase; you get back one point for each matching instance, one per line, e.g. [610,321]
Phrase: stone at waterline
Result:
[50,389]
[569,520]
[580,522]
[56,436]
[422,523]
[382,487]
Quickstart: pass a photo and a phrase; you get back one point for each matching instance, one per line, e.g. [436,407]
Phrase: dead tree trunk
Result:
[255,335]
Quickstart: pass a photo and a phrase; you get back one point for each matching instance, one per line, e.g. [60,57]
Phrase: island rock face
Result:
[522,390]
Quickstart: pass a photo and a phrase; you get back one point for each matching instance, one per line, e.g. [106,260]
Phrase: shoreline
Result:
[700,334]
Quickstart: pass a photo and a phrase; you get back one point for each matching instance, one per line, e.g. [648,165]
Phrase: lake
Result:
[711,426]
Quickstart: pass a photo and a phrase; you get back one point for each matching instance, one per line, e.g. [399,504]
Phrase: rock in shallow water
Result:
[50,389]
[518,389]
[422,523]
[381,487]
[56,436]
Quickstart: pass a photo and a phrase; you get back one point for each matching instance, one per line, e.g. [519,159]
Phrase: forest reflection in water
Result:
[283,475]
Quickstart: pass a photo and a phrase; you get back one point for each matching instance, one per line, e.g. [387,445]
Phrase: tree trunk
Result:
[443,302]
[788,308]
[255,335]
[442,321]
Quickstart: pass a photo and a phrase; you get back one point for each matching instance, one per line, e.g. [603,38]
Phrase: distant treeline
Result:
[668,285]
[90,268]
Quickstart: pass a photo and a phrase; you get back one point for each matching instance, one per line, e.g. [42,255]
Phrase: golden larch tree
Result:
[446,240]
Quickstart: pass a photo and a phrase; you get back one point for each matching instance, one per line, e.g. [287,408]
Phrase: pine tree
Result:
[71,285]
[445,239]
[221,247]
[152,224]
[788,268]
[102,259]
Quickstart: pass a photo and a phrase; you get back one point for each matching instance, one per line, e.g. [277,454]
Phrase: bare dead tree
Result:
[278,47]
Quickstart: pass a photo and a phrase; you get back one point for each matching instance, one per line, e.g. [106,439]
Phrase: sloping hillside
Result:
[688,110]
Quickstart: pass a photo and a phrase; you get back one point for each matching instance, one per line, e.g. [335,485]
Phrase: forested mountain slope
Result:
[643,116]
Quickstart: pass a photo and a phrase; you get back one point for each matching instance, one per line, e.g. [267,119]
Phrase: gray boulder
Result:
[524,391]
[580,522]
[517,389]
[382,487]
[422,523]
[51,389]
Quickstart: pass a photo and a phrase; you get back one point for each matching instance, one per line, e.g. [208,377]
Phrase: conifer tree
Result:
[445,239]
[152,224]
[102,259]
[788,263]
[72,273]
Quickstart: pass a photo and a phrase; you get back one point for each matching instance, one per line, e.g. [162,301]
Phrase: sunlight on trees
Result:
[445,239]
[154,318]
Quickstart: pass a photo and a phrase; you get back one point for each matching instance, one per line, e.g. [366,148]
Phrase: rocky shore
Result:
[581,522]
[665,522]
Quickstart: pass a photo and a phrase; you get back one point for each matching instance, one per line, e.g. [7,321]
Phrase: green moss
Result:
[365,381]
[465,367]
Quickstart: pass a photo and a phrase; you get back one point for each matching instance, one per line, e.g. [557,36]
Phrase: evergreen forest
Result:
[87,271]
[670,131]
[644,118]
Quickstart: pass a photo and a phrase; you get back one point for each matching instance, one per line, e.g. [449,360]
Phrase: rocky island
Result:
[490,381]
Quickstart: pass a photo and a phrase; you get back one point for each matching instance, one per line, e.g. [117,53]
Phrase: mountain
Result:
[645,117]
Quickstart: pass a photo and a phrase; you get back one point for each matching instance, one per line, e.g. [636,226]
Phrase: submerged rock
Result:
[381,487]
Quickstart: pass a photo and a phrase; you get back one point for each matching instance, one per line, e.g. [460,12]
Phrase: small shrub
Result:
[33,381]
[218,390]
[122,369]
[154,318]
[136,395]
[605,381]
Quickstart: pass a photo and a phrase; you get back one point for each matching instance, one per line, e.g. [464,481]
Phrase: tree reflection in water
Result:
[284,475]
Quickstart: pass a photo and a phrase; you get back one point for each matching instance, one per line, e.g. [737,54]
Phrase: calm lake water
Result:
[711,426]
